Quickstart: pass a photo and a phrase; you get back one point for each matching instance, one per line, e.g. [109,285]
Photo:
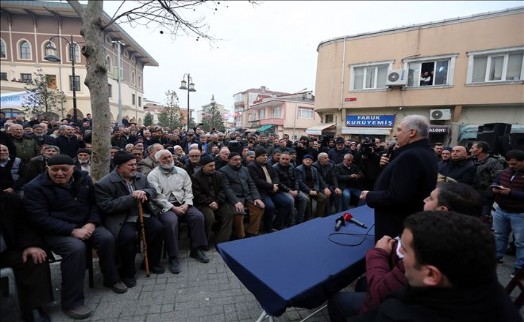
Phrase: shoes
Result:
[199,255]
[500,261]
[514,273]
[129,281]
[39,316]
[119,287]
[205,248]
[79,313]
[156,269]
[174,266]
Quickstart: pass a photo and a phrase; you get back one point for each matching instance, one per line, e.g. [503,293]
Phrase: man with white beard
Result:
[174,202]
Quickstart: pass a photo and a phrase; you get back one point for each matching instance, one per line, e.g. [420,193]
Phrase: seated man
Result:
[209,189]
[174,202]
[242,195]
[21,249]
[350,179]
[311,183]
[117,197]
[385,269]
[61,203]
[450,266]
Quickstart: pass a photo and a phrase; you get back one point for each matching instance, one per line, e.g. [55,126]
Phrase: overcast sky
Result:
[273,43]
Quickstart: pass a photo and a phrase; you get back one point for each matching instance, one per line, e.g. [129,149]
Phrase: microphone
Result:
[349,217]
[339,222]
[391,146]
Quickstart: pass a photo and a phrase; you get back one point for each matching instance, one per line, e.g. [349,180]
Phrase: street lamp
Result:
[119,80]
[190,88]
[50,47]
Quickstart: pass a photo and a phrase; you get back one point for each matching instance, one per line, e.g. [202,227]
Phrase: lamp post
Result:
[189,87]
[55,59]
[119,80]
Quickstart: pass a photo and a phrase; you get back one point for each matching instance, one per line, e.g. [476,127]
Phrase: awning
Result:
[264,128]
[317,129]
[367,130]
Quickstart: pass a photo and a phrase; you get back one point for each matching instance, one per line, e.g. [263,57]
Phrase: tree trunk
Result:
[96,80]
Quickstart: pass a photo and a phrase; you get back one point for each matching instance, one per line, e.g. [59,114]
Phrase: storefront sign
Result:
[439,130]
[370,120]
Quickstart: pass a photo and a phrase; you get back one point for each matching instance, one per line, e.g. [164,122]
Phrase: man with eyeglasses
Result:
[222,158]
[193,163]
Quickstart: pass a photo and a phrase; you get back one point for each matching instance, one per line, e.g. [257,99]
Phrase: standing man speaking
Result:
[409,176]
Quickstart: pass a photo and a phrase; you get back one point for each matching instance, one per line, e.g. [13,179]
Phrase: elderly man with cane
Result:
[120,195]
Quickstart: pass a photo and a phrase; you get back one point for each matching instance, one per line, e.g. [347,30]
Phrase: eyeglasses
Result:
[194,156]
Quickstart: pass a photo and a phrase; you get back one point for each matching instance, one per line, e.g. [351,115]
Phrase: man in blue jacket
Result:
[409,176]
[61,203]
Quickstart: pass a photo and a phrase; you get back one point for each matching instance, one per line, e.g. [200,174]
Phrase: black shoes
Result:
[118,288]
[156,269]
[79,313]
[174,266]
[199,255]
[37,315]
[129,281]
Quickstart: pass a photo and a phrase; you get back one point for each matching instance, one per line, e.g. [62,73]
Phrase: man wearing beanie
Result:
[61,203]
[242,195]
[209,188]
[174,202]
[117,197]
[267,183]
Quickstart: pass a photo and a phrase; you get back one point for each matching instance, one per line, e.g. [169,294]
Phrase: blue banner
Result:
[370,120]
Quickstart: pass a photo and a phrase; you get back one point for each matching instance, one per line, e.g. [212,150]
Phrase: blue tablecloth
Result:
[303,265]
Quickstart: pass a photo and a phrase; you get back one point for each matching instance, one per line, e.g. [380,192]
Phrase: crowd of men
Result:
[224,187]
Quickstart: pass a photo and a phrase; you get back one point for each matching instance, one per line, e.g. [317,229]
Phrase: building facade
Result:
[27,28]
[460,73]
[243,100]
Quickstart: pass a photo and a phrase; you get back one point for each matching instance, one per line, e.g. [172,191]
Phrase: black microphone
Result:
[391,146]
[339,222]
[349,217]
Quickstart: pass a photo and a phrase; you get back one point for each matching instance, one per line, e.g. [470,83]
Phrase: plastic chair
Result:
[7,272]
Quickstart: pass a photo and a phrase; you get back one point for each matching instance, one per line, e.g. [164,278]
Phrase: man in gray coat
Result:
[117,197]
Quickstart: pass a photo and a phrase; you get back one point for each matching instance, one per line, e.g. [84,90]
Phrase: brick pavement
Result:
[201,292]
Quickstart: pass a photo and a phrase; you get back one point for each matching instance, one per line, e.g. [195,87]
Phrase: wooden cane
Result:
[143,235]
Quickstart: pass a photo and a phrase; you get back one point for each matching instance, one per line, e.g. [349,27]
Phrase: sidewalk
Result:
[201,292]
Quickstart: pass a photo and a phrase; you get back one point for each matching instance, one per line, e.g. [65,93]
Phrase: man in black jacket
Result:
[405,182]
[21,249]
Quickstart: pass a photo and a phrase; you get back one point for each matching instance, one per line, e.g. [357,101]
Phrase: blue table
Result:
[303,265]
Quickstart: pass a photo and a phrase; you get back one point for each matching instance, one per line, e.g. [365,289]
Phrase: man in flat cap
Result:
[117,197]
[61,203]
[209,189]
[174,202]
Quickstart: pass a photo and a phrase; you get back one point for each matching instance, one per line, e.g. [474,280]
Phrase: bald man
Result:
[459,167]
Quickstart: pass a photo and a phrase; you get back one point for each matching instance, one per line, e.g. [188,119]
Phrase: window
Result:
[328,118]
[139,81]
[496,66]
[276,112]
[110,89]
[3,51]
[261,114]
[133,99]
[26,78]
[133,78]
[51,81]
[369,76]
[109,64]
[74,52]
[77,83]
[431,71]
[305,113]
[24,49]
[3,76]
[139,101]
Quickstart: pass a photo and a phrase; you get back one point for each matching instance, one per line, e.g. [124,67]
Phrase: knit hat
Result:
[250,153]
[339,141]
[122,157]
[61,159]
[448,148]
[205,159]
[83,150]
[259,151]
[234,154]
[308,156]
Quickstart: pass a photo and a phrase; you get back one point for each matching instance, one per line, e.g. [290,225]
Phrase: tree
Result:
[212,118]
[148,119]
[170,115]
[171,15]
[42,98]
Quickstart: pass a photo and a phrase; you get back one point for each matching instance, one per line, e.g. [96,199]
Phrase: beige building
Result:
[26,29]
[243,100]
[460,73]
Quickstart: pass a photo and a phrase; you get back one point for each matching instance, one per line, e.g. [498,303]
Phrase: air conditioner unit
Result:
[397,77]
[440,115]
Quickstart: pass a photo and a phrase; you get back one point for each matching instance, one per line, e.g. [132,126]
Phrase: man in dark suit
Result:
[209,190]
[21,249]
[409,176]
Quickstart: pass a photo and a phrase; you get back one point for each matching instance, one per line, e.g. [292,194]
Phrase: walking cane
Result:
[143,235]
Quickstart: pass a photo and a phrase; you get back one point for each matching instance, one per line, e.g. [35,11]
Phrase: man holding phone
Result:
[508,216]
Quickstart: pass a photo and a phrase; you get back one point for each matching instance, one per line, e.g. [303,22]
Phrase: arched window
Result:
[24,49]
[139,81]
[74,52]
[3,49]
[133,78]
[109,64]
